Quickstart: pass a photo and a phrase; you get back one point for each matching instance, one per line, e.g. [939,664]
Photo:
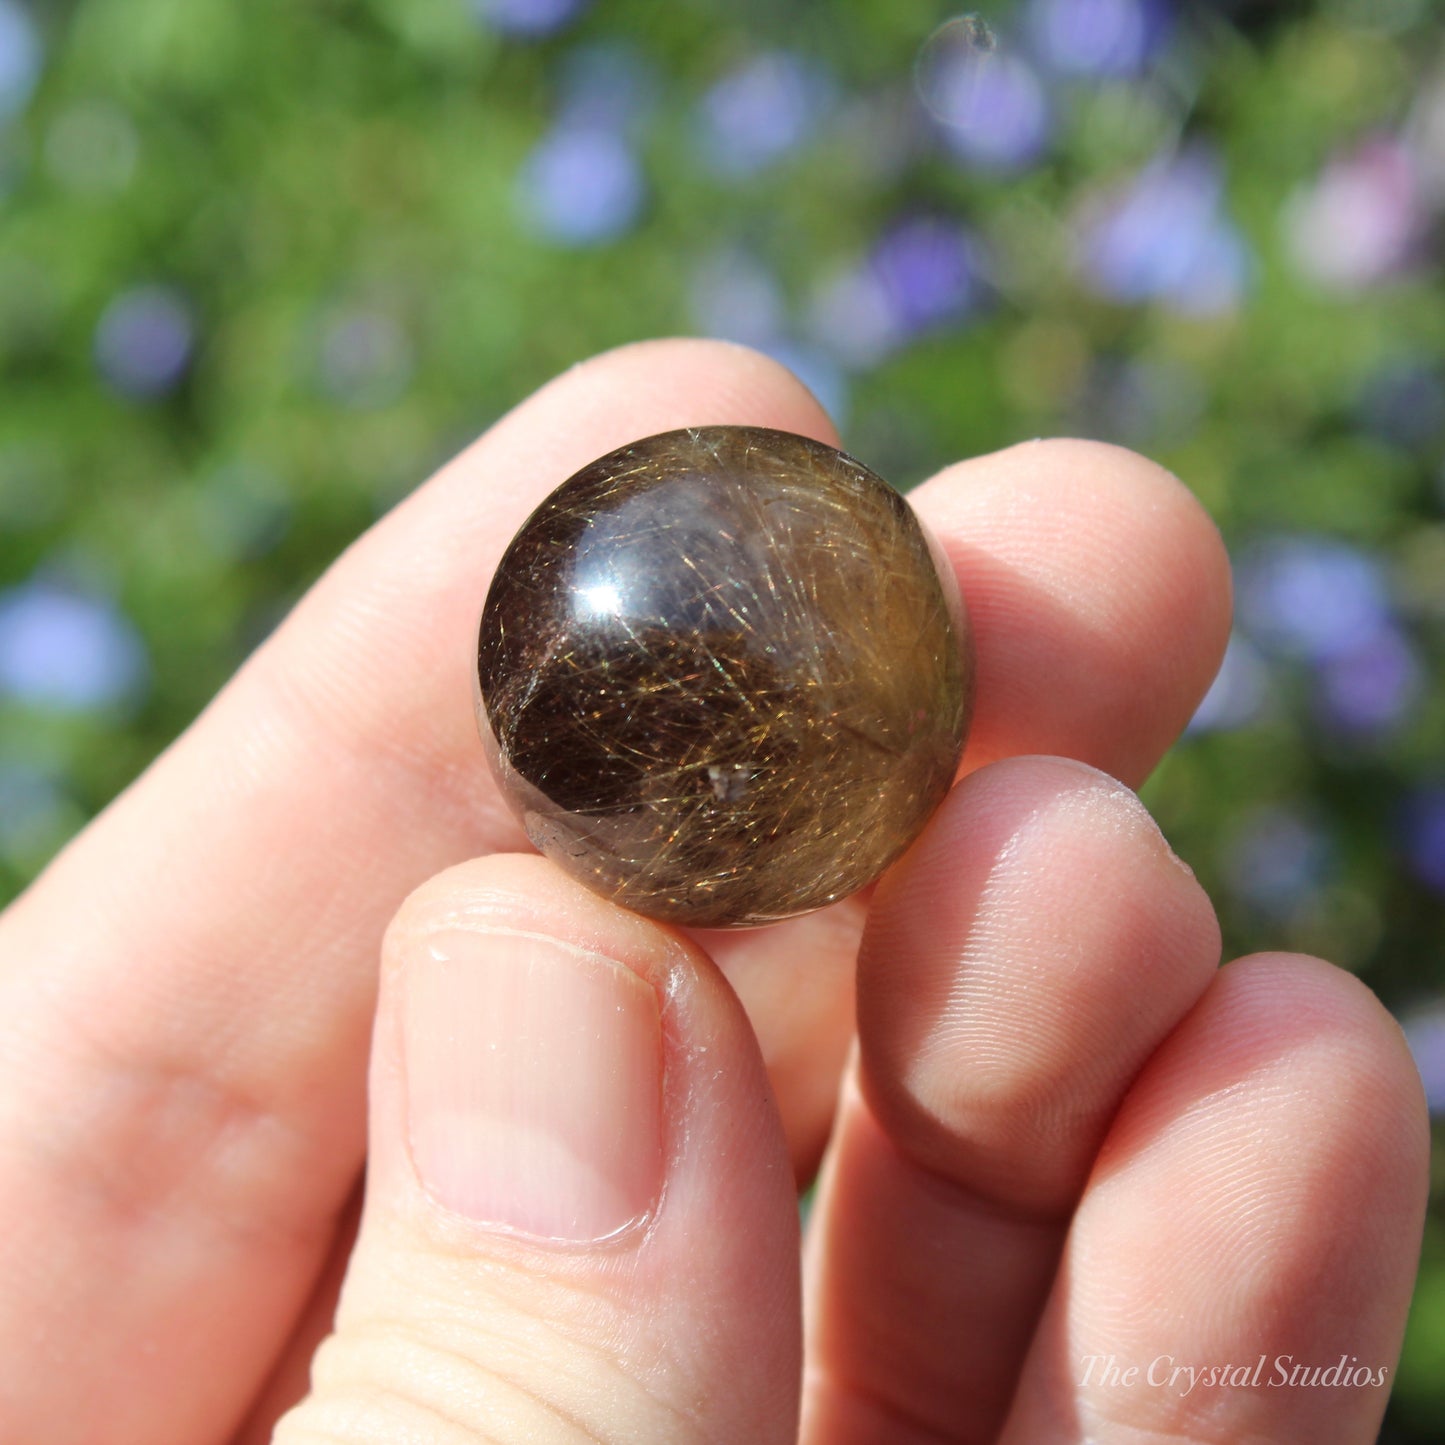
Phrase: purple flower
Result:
[922,274]
[1425,1034]
[1278,860]
[735,297]
[854,319]
[928,270]
[143,341]
[1327,603]
[582,186]
[1098,37]
[1163,238]
[1239,692]
[528,19]
[1312,597]
[818,372]
[1363,219]
[760,111]
[1423,835]
[21,58]
[990,107]
[67,650]
[1369,687]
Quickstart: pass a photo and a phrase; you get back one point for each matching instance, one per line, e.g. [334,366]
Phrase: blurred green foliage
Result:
[340,245]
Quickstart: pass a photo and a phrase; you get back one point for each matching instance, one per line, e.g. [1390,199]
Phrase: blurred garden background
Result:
[264,264]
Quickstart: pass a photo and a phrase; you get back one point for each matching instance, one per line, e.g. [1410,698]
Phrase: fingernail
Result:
[534,1084]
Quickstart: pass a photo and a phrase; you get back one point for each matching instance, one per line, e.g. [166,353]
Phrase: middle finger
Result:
[1020,964]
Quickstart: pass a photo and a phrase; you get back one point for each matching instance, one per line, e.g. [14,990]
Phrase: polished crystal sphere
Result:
[723,675]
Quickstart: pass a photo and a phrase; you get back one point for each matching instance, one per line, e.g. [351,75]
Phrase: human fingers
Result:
[580,1221]
[342,767]
[1085,505]
[1098,595]
[290,1374]
[186,995]
[1241,1263]
[1019,966]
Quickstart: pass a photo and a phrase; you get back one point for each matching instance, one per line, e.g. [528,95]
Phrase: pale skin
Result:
[1053,1129]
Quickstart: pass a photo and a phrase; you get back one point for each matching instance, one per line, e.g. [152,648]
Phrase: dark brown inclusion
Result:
[722,679]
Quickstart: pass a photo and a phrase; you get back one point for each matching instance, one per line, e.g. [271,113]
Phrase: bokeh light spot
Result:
[1360,222]
[21,58]
[1098,37]
[1311,597]
[582,186]
[1239,693]
[143,341]
[760,111]
[528,19]
[1164,237]
[990,107]
[67,650]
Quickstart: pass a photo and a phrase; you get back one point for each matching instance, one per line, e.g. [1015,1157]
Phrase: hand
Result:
[1066,1141]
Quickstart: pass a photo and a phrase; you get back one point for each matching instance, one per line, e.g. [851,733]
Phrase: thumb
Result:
[580,1221]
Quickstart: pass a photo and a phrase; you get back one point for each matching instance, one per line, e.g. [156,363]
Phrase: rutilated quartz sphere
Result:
[723,675]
